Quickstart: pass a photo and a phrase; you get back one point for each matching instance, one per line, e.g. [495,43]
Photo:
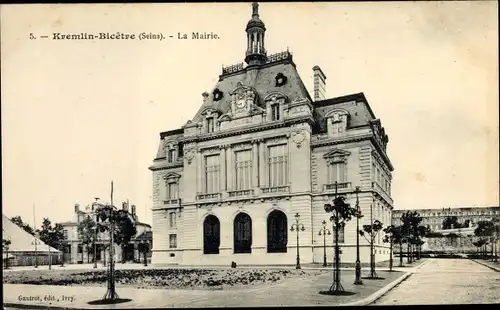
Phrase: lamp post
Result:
[324,231]
[358,280]
[297,226]
[36,243]
[94,240]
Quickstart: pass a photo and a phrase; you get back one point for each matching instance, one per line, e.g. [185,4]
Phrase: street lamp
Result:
[297,226]
[324,231]
[94,240]
[358,281]
[36,243]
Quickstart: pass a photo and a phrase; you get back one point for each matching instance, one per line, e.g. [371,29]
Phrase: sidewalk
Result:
[492,265]
[297,292]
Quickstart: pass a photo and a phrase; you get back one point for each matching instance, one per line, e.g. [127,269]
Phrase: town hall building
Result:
[228,184]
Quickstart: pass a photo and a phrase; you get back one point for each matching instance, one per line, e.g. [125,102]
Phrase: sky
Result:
[77,115]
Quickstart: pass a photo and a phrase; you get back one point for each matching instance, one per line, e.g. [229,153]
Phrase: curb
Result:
[486,265]
[373,297]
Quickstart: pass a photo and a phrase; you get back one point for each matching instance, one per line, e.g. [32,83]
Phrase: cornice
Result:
[240,131]
[162,166]
[334,141]
[382,153]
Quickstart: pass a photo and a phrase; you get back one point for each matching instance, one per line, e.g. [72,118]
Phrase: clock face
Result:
[241,103]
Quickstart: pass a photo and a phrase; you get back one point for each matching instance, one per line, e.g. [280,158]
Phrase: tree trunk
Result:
[400,254]
[390,257]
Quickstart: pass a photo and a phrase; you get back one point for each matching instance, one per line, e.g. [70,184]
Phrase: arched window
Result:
[276,232]
[242,233]
[211,235]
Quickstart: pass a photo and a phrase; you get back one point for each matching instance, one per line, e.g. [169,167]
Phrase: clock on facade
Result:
[241,103]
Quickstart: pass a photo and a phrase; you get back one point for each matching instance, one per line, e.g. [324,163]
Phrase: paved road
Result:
[446,281]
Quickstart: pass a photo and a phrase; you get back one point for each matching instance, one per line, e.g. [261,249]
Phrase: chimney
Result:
[205,97]
[319,83]
[125,206]
[133,209]
[77,208]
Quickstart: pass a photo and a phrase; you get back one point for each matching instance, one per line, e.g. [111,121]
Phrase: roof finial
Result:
[255,9]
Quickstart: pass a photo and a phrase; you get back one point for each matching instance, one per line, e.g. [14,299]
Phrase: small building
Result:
[75,252]
[26,249]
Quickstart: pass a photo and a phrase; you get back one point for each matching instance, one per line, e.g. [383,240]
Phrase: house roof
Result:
[21,241]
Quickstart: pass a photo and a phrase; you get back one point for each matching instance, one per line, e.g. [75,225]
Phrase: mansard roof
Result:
[356,105]
[262,78]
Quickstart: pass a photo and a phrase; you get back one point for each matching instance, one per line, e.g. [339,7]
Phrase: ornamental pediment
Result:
[171,177]
[336,155]
[275,98]
[337,115]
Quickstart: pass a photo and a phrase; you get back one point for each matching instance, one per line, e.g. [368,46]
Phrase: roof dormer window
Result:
[336,122]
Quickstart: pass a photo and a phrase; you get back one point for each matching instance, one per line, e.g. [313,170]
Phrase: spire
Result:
[256,53]
[255,9]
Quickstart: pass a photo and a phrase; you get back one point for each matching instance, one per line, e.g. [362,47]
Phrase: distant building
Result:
[76,252]
[25,249]
[260,149]
[435,217]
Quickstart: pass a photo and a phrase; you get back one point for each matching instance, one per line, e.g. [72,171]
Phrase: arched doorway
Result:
[277,232]
[242,233]
[211,235]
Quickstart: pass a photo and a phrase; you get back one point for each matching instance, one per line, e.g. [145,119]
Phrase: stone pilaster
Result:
[255,163]
[229,168]
[262,165]
[223,167]
[199,183]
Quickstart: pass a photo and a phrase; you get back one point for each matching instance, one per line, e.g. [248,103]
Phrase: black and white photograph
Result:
[250,154]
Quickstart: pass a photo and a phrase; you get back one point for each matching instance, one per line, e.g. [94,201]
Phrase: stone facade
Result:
[227,185]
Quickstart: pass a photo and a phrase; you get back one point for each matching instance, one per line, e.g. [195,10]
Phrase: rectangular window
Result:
[171,155]
[173,241]
[278,165]
[243,161]
[337,172]
[65,234]
[171,191]
[80,249]
[275,112]
[210,124]
[212,174]
[172,220]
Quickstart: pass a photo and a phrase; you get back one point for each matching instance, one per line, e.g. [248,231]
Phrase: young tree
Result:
[5,247]
[485,230]
[389,238]
[121,227]
[406,218]
[26,227]
[342,212]
[372,232]
[451,222]
[422,232]
[86,231]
